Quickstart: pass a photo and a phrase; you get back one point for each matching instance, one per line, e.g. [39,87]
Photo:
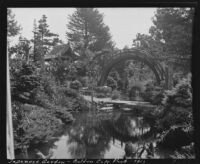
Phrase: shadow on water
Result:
[96,134]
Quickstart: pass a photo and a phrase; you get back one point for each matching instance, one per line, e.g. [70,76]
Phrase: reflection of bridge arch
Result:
[134,54]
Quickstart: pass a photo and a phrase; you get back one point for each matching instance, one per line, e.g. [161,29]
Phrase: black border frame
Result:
[4,4]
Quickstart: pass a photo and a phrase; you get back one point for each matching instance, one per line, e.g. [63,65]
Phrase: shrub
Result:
[157,98]
[35,126]
[103,89]
[152,114]
[49,86]
[115,95]
[28,118]
[177,105]
[75,85]
[148,92]
[111,83]
[175,137]
[153,94]
[180,95]
[40,98]
[175,116]
[84,81]
[116,77]
[100,95]
[63,114]
[17,113]
[73,101]
[70,92]
[24,82]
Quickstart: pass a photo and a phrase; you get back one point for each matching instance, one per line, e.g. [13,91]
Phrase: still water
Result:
[98,135]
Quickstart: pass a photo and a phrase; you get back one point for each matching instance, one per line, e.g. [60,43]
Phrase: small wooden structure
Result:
[63,52]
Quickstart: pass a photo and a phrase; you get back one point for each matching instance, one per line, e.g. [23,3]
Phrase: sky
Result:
[124,23]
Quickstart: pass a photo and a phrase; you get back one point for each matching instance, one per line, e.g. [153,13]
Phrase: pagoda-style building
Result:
[61,52]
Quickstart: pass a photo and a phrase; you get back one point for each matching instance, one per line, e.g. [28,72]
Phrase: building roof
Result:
[61,51]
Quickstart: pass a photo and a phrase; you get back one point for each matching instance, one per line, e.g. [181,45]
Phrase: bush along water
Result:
[177,105]
[115,95]
[172,120]
[153,94]
[40,107]
[176,120]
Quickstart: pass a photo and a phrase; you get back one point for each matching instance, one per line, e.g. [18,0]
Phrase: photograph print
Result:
[100,83]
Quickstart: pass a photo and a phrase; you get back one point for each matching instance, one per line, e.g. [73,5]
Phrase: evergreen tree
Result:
[173,26]
[86,30]
[170,37]
[12,26]
[148,43]
[13,29]
[24,81]
[36,41]
[43,39]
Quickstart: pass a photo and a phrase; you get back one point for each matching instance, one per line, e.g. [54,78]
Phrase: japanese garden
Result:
[86,98]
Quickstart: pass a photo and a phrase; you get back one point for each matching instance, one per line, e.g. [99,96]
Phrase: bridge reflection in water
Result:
[98,134]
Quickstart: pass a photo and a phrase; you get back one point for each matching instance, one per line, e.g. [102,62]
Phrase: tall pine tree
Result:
[43,39]
[86,30]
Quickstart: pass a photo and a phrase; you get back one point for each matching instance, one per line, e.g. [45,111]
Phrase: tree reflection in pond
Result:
[100,135]
[131,126]
[91,141]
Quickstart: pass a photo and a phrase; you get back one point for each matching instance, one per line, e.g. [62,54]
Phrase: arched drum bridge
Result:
[133,54]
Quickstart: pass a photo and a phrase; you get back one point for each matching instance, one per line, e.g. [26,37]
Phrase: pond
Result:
[99,134]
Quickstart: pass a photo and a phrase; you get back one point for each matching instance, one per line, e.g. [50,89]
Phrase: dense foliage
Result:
[178,105]
[174,27]
[153,93]
[111,82]
[23,83]
[115,94]
[33,124]
[39,105]
[75,85]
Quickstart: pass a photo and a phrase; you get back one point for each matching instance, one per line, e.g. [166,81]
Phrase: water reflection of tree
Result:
[87,138]
[91,133]
[136,133]
[77,150]
[130,126]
